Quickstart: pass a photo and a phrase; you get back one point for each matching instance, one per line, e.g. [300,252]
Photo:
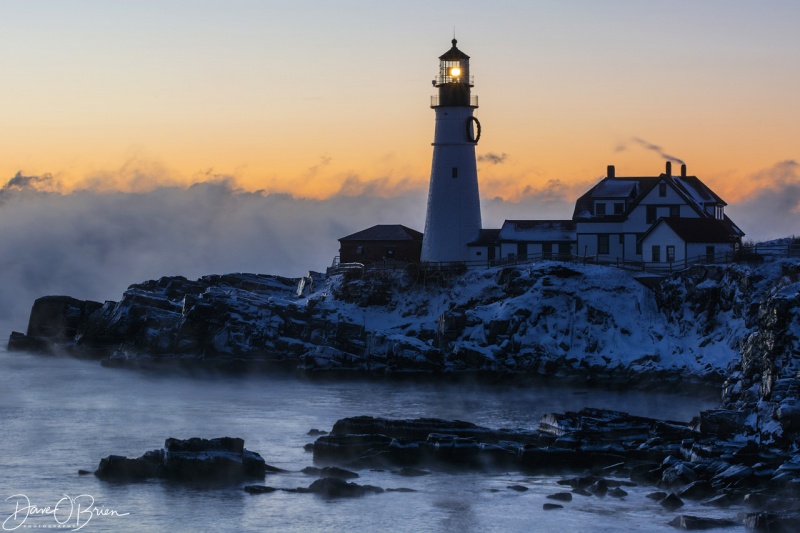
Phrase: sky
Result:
[148,138]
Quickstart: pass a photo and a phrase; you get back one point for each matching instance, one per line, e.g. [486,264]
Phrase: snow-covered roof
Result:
[614,188]
[538,230]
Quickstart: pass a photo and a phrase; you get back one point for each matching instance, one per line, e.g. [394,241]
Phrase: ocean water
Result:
[60,415]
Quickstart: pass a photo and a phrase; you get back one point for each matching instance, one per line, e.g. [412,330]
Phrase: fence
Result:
[755,252]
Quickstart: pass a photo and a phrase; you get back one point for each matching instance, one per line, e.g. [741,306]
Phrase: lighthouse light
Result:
[455,72]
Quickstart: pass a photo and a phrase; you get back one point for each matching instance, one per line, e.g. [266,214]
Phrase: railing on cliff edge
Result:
[756,252]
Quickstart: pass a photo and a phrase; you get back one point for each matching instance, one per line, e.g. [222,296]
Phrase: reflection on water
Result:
[60,415]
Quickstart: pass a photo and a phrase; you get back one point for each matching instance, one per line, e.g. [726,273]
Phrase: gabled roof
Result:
[696,230]
[694,193]
[385,232]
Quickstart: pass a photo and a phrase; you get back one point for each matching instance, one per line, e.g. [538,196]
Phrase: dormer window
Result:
[719,212]
[600,209]
[662,189]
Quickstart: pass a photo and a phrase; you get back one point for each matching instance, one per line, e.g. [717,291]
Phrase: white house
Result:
[661,219]
[619,219]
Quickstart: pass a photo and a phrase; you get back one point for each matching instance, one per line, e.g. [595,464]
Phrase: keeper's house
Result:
[661,219]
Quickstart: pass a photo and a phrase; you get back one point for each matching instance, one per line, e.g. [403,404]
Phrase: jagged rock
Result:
[552,506]
[518,488]
[772,522]
[671,502]
[197,460]
[330,471]
[561,496]
[258,489]
[330,487]
[699,523]
[119,468]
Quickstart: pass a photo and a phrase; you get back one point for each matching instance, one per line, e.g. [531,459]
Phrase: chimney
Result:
[611,171]
[669,168]
[683,171]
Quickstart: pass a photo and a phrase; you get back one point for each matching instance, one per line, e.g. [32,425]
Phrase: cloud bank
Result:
[92,244]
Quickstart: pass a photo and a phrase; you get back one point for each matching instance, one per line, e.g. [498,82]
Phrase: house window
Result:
[710,255]
[719,212]
[619,208]
[522,250]
[670,253]
[547,250]
[651,214]
[361,250]
[390,252]
[455,172]
[656,254]
[600,209]
[638,244]
[662,189]
[564,249]
[621,239]
[602,243]
[675,211]
[478,253]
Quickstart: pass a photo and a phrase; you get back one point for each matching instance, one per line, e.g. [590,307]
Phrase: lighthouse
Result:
[454,213]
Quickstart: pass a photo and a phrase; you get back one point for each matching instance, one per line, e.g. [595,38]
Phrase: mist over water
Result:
[60,415]
[92,243]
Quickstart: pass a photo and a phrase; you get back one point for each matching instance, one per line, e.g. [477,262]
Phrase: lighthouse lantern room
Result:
[453,213]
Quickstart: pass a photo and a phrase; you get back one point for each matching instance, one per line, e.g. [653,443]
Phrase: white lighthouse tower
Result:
[454,212]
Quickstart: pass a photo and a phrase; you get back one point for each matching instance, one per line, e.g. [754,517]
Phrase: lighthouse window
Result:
[455,172]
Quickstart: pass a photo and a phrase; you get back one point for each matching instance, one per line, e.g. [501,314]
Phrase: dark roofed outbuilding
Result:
[384,242]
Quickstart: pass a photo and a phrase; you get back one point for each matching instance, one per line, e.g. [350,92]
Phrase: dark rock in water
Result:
[329,471]
[697,490]
[561,496]
[54,321]
[316,432]
[411,472]
[722,500]
[617,493]
[518,488]
[330,487]
[222,459]
[773,522]
[119,468]
[671,502]
[401,489]
[195,460]
[259,489]
[658,495]
[698,523]
[84,472]
[648,473]
[581,492]
[552,506]
[598,488]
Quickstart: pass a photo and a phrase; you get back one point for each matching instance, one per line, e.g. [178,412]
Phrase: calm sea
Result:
[60,415]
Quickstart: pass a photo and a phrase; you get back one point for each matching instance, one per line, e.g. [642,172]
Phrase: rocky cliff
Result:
[735,324]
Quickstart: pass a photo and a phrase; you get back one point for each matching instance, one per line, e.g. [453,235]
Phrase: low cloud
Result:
[92,245]
[493,158]
[772,210]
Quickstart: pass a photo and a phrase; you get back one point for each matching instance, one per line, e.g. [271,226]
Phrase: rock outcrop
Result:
[221,460]
[736,325]
[583,323]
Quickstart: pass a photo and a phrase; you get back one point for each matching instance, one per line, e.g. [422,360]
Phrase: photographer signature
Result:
[68,512]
